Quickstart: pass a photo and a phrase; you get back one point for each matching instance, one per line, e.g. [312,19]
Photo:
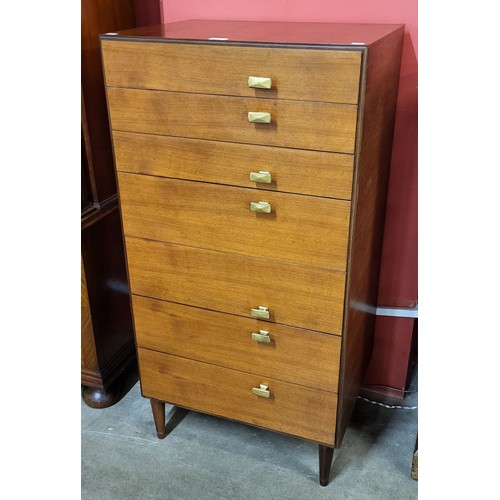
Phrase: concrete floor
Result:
[209,458]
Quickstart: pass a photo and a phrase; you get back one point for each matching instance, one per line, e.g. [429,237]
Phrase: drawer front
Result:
[293,355]
[292,170]
[292,409]
[295,124]
[296,295]
[299,74]
[301,229]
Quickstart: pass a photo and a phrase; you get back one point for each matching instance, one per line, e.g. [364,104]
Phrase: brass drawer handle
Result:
[260,207]
[259,117]
[259,82]
[262,391]
[261,176]
[262,312]
[262,337]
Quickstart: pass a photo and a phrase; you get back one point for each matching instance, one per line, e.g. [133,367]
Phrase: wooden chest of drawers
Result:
[252,162]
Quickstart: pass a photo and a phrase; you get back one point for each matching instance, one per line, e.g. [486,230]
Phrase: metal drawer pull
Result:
[259,82]
[261,176]
[260,207]
[259,117]
[262,391]
[262,337]
[262,312]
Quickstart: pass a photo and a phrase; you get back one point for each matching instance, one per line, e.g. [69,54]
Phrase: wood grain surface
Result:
[293,409]
[301,229]
[302,296]
[292,170]
[295,124]
[88,352]
[301,74]
[294,355]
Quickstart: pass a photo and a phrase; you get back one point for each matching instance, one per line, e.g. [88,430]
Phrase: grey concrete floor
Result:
[208,458]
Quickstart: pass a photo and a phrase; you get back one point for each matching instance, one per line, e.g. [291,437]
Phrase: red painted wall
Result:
[398,282]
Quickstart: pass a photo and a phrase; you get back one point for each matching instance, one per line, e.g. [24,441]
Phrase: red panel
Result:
[391,354]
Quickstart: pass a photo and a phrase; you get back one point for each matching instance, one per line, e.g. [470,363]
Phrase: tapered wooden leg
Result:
[158,408]
[325,464]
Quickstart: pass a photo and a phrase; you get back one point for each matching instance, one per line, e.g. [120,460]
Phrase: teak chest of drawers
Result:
[252,163]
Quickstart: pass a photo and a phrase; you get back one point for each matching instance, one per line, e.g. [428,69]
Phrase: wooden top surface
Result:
[264,32]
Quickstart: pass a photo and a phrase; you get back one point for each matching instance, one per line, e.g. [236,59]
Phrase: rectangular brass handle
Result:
[259,82]
[259,117]
[260,207]
[261,176]
[262,337]
[262,391]
[261,312]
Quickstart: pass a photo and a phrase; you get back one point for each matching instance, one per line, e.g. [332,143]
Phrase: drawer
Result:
[296,295]
[301,229]
[293,355]
[295,124]
[292,170]
[292,409]
[302,74]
